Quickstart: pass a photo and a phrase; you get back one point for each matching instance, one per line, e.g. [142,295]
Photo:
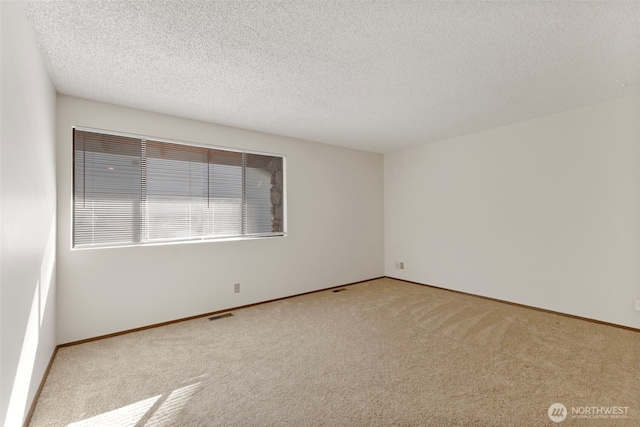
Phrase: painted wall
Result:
[335,233]
[27,216]
[543,212]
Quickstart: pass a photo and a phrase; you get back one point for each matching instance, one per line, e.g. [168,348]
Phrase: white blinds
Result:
[131,190]
[107,189]
[224,194]
[174,189]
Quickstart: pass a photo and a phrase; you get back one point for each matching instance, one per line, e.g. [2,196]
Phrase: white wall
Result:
[543,212]
[27,216]
[335,233]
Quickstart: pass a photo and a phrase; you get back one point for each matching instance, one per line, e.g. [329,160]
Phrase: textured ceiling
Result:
[376,76]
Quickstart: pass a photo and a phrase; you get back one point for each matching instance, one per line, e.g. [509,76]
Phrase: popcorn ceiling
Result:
[376,76]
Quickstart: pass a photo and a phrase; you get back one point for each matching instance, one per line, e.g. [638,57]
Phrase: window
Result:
[130,190]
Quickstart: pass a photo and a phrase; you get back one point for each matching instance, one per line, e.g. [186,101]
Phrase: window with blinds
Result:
[130,190]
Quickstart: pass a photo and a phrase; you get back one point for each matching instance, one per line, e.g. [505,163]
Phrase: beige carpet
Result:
[381,353]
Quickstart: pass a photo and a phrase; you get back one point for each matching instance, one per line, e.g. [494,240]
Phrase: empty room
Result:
[319,213]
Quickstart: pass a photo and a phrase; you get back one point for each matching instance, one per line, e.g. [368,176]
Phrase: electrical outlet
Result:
[236,288]
[637,304]
[399,265]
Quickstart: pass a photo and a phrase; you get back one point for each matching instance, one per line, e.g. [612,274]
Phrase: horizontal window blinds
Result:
[107,189]
[224,194]
[136,191]
[263,182]
[175,182]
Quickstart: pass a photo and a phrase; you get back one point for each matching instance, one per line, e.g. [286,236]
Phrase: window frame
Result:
[173,241]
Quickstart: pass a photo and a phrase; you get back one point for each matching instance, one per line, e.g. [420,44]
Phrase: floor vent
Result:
[338,290]
[220,316]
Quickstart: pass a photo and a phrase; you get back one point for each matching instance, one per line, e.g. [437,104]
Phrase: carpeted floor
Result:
[380,353]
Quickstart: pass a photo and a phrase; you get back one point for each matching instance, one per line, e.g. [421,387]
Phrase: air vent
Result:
[339,290]
[221,316]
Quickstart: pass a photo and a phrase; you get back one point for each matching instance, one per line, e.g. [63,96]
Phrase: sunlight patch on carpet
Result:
[127,416]
[168,412]
[159,412]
